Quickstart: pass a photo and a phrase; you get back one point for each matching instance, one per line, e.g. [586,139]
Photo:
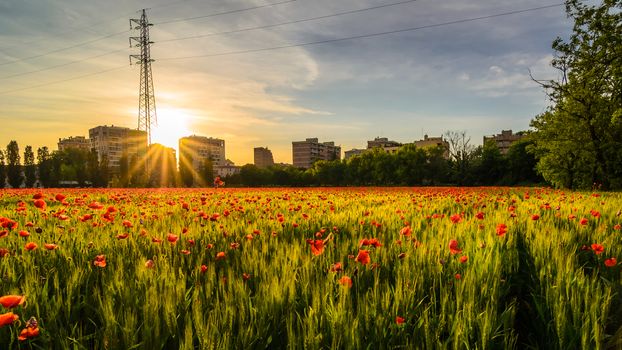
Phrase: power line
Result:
[289,22]
[365,35]
[126,31]
[224,13]
[91,25]
[62,81]
[63,48]
[62,64]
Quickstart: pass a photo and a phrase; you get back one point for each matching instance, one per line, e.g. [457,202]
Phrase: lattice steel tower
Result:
[147,116]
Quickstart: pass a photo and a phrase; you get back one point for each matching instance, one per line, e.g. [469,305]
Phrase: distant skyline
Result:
[471,76]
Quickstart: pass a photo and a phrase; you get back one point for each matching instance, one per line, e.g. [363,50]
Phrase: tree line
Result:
[409,166]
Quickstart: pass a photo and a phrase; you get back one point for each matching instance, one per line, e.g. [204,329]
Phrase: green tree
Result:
[462,155]
[207,172]
[124,171]
[14,169]
[2,170]
[578,139]
[45,166]
[522,163]
[492,165]
[30,170]
[186,172]
[410,167]
[104,172]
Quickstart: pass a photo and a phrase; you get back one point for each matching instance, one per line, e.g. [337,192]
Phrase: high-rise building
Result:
[353,152]
[504,140]
[433,142]
[77,142]
[382,142]
[306,152]
[195,150]
[199,148]
[114,142]
[263,157]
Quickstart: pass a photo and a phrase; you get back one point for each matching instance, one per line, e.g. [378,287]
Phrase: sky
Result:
[64,68]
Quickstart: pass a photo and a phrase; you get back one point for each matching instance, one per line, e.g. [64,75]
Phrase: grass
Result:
[540,285]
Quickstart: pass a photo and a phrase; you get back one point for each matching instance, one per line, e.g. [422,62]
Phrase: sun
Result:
[172,125]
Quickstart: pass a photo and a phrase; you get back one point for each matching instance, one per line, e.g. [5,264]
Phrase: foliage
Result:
[30,169]
[578,139]
[2,170]
[44,164]
[13,167]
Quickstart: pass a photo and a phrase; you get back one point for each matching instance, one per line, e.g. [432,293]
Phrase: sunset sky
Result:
[471,76]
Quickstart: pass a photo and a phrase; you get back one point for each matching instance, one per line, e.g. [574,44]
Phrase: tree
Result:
[578,139]
[2,170]
[207,172]
[45,166]
[124,171]
[30,172]
[186,171]
[461,154]
[522,163]
[14,169]
[492,165]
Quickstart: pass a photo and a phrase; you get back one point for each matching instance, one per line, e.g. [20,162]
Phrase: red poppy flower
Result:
[28,333]
[11,301]
[363,257]
[480,216]
[39,203]
[583,221]
[149,264]
[597,248]
[60,197]
[458,276]
[100,261]
[617,227]
[221,256]
[127,223]
[611,262]
[203,268]
[37,195]
[346,281]
[464,259]
[453,247]
[246,276]
[317,246]
[8,319]
[456,218]
[399,320]
[172,238]
[95,205]
[23,233]
[50,246]
[185,252]
[502,229]
[30,246]
[336,267]
[406,231]
[156,240]
[535,217]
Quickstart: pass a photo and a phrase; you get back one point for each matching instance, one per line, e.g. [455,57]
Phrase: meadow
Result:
[317,268]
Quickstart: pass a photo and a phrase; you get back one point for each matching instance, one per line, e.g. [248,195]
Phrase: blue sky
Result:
[470,76]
